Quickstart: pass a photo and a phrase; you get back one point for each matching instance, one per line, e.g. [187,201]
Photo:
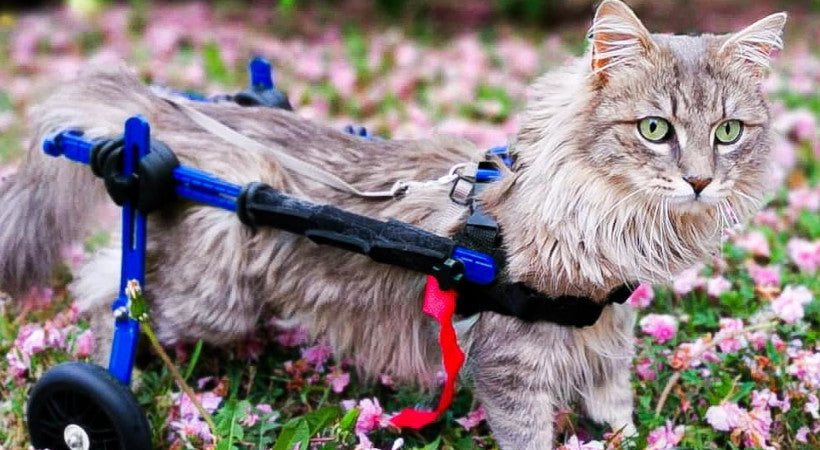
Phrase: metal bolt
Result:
[121,313]
[76,438]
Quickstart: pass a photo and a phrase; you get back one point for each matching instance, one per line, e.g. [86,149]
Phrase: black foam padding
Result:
[390,242]
[152,184]
[271,98]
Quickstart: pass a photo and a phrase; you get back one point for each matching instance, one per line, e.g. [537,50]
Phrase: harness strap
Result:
[287,161]
[440,305]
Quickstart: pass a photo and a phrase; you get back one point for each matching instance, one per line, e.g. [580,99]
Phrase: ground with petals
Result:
[727,355]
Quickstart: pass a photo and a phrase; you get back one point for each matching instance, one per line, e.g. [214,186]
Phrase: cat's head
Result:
[682,118]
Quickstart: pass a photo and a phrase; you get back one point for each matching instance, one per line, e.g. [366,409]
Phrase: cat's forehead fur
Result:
[686,77]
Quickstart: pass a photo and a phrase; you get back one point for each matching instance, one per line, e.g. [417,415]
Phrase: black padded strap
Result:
[524,303]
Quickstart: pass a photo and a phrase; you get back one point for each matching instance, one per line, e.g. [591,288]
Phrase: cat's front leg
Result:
[519,407]
[610,401]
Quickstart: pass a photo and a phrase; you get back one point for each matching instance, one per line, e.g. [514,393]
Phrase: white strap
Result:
[287,161]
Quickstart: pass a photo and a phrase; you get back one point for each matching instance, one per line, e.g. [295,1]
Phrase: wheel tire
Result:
[86,396]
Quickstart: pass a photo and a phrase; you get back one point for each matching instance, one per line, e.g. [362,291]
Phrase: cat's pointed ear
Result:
[754,44]
[617,36]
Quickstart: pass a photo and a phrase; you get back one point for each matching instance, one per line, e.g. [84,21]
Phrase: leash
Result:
[291,163]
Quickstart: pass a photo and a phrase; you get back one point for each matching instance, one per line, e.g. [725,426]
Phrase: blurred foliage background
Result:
[406,69]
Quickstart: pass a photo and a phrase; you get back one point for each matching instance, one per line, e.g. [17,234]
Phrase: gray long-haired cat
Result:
[628,161]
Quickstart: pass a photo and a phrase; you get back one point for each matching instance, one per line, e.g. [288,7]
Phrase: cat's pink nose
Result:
[698,183]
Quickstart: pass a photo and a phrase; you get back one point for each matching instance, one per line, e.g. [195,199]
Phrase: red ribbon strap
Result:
[440,305]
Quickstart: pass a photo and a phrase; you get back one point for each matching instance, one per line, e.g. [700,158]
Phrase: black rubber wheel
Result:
[83,403]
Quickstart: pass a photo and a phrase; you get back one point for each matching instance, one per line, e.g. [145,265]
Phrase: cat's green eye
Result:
[654,129]
[728,132]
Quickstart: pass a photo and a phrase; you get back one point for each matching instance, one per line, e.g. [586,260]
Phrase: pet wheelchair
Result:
[79,406]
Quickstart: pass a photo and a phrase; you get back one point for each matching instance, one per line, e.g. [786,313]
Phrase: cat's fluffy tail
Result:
[48,204]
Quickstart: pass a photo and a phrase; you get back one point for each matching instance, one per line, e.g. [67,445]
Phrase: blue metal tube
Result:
[126,328]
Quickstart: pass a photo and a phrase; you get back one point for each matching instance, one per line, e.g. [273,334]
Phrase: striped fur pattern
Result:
[587,205]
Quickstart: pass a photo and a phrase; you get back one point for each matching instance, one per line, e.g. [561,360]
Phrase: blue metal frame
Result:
[126,329]
[192,184]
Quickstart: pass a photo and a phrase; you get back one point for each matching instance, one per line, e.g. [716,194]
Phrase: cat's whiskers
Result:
[664,254]
[756,202]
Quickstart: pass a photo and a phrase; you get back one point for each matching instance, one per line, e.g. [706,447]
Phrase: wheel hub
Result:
[76,438]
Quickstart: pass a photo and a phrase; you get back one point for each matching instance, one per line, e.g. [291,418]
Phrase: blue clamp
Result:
[479,268]
[503,152]
[261,73]
[69,143]
[359,131]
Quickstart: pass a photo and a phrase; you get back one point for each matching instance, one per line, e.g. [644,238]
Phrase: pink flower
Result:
[55,338]
[74,255]
[187,410]
[717,285]
[756,427]
[768,399]
[385,380]
[317,355]
[805,366]
[472,419]
[803,125]
[685,354]
[802,435]
[764,276]
[665,437]
[662,327]
[521,57]
[343,77]
[364,443]
[645,369]
[38,297]
[310,64]
[687,281]
[250,419]
[804,198]
[725,416]
[192,427]
[804,254]
[202,382]
[758,339]
[290,336]
[732,344]
[406,54]
[642,296]
[370,415]
[338,380]
[768,218]
[264,408]
[812,406]
[789,304]
[18,364]
[84,344]
[784,153]
[754,242]
[31,339]
[573,443]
